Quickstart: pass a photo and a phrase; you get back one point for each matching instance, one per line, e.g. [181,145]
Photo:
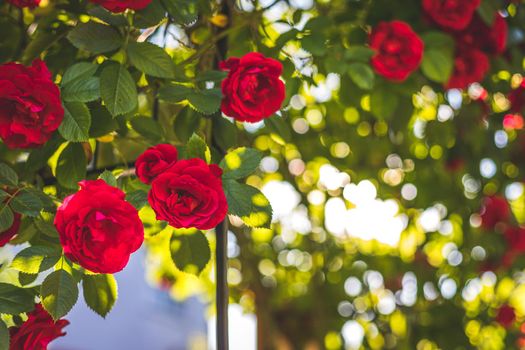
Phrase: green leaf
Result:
[76,123]
[205,101]
[95,37]
[26,232]
[35,259]
[117,89]
[6,217]
[224,132]
[27,203]
[109,178]
[434,39]
[147,127]
[26,278]
[186,123]
[438,65]
[183,11]
[190,252]
[59,293]
[211,75]
[85,90]
[9,44]
[359,53]
[278,126]
[46,228]
[248,203]
[71,166]
[78,72]
[15,300]
[151,59]
[362,75]
[117,20]
[100,292]
[8,176]
[315,43]
[196,148]
[174,93]
[383,103]
[137,198]
[4,336]
[102,123]
[150,16]
[3,195]
[240,163]
[487,10]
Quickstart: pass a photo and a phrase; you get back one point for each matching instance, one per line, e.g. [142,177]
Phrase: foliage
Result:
[355,210]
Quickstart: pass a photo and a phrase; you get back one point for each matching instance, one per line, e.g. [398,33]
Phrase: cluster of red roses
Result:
[399,50]
[98,229]
[184,192]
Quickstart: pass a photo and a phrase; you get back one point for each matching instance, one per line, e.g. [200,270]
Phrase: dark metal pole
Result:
[221,232]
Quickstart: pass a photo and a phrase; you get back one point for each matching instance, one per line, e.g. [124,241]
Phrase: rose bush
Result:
[376,129]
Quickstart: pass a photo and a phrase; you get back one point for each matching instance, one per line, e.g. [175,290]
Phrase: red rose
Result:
[451,14]
[189,194]
[6,236]
[252,91]
[517,98]
[506,316]
[399,50]
[98,229]
[25,3]
[37,331]
[478,34]
[154,161]
[494,209]
[470,66]
[515,237]
[121,6]
[30,107]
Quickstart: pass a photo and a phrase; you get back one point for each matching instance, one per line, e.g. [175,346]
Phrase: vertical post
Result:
[221,232]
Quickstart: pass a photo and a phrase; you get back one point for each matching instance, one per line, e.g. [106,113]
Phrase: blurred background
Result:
[398,206]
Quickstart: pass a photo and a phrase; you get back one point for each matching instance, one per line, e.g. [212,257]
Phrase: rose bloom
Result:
[451,14]
[25,3]
[399,50]
[506,316]
[515,237]
[189,194]
[30,106]
[470,66]
[121,6]
[98,229]
[252,90]
[478,34]
[37,331]
[154,161]
[517,98]
[494,209]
